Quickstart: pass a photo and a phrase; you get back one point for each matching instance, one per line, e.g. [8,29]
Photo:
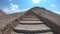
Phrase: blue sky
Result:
[13,6]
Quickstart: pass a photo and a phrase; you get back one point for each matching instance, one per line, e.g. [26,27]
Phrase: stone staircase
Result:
[30,24]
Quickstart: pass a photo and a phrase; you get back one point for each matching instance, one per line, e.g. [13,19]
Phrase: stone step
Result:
[33,33]
[32,28]
[31,22]
[14,32]
[30,16]
[32,19]
[45,33]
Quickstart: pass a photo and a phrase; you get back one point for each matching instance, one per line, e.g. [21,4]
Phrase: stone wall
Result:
[8,28]
[50,19]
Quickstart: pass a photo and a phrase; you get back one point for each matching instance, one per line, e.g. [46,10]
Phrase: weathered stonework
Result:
[7,29]
[51,19]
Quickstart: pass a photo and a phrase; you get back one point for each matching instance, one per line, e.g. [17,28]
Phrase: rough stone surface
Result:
[33,33]
[7,22]
[32,19]
[40,27]
[2,13]
[6,19]
[51,19]
[31,22]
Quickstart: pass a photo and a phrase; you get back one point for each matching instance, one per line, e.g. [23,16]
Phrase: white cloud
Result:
[26,9]
[53,5]
[10,0]
[12,9]
[7,10]
[58,12]
[36,1]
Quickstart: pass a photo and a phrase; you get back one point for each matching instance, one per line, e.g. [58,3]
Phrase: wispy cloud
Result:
[12,9]
[36,1]
[53,5]
[7,10]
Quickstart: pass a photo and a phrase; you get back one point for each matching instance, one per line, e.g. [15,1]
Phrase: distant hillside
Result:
[2,13]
